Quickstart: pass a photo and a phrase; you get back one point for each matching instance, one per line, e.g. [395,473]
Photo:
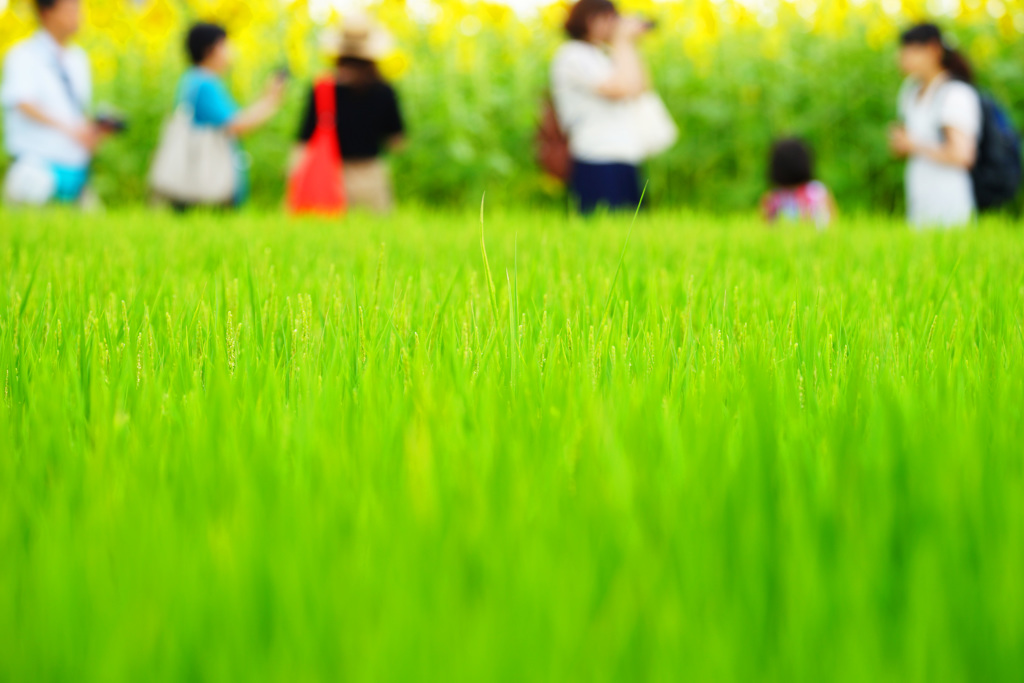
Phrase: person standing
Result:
[368,119]
[941,120]
[46,97]
[597,77]
[202,86]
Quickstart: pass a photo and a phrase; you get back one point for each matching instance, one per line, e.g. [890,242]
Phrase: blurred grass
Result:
[243,448]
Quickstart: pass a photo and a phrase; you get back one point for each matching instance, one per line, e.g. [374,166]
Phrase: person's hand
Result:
[276,90]
[900,142]
[630,29]
[88,135]
[294,160]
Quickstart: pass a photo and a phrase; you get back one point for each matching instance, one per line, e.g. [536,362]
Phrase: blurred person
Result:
[46,96]
[597,79]
[368,119]
[941,119]
[796,196]
[202,86]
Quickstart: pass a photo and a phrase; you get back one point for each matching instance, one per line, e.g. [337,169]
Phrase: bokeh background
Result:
[472,75]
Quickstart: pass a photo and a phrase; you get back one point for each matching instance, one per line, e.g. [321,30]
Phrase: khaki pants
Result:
[368,185]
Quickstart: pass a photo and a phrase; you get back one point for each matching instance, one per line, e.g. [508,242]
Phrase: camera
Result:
[111,121]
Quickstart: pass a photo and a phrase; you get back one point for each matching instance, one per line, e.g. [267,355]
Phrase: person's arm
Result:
[305,133]
[767,208]
[18,90]
[833,206]
[960,119]
[260,111]
[629,76]
[898,142]
[88,135]
[396,143]
[957,149]
[394,122]
[295,155]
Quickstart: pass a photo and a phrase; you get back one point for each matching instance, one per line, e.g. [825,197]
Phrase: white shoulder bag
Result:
[194,164]
[658,132]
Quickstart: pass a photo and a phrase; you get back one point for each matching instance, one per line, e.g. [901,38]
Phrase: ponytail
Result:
[953,60]
[957,65]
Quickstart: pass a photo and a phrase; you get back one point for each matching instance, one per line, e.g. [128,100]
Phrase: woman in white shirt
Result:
[941,121]
[595,77]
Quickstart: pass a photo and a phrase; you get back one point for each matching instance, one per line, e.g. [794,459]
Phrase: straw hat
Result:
[360,38]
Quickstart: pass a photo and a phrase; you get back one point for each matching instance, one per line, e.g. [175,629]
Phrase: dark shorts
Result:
[613,186]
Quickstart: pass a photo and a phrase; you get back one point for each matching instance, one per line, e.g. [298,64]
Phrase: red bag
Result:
[317,184]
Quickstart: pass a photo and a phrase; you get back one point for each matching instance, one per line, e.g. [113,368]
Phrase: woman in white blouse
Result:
[595,77]
[941,121]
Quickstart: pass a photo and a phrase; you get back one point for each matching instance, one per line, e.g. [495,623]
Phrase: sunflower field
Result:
[472,75]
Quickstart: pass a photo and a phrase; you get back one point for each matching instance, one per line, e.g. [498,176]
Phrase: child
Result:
[795,195]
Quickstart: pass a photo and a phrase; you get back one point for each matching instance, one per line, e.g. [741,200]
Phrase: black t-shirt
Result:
[366,118]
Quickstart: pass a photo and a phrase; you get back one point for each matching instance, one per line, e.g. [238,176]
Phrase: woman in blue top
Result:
[203,86]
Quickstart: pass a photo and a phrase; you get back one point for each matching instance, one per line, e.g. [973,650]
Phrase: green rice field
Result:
[245,448]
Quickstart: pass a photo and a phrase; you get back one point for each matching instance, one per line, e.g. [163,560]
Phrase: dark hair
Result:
[578,23]
[792,163]
[953,60]
[202,39]
[365,71]
[44,5]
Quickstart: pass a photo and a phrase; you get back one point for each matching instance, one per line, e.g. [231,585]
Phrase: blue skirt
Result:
[613,186]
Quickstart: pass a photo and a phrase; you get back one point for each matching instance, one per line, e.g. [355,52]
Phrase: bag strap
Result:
[188,98]
[326,105]
[69,88]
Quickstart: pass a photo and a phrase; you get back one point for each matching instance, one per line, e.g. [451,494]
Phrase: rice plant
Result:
[244,448]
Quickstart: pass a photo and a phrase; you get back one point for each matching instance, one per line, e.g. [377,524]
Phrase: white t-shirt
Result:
[939,195]
[600,130]
[32,75]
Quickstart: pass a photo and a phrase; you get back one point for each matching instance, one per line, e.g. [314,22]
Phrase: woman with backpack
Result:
[941,122]
[604,104]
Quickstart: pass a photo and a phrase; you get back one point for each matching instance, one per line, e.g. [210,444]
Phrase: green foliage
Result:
[239,448]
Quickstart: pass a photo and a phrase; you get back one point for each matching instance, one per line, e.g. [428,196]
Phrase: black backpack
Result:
[997,174]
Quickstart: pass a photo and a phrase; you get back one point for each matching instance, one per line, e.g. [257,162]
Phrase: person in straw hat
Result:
[368,117]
